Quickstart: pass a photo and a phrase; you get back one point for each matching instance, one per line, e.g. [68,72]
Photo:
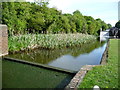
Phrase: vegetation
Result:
[105,76]
[29,22]
[48,41]
[109,26]
[24,17]
[117,24]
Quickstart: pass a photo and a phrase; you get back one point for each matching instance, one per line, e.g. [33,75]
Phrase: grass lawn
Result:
[105,76]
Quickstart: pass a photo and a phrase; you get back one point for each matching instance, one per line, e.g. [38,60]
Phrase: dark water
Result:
[18,75]
[68,58]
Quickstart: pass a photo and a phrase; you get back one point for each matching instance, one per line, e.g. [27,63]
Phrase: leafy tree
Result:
[98,26]
[78,19]
[36,23]
[9,16]
[104,26]
[71,23]
[117,24]
[25,17]
[14,15]
[91,24]
[109,25]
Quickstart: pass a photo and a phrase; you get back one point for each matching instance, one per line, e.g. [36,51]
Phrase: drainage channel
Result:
[23,74]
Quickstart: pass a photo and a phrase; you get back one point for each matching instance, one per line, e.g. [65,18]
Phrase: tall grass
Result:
[48,41]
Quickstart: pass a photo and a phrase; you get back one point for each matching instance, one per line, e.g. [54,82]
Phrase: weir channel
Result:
[42,68]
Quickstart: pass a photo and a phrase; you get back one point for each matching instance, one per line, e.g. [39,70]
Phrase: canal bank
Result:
[78,78]
[105,76]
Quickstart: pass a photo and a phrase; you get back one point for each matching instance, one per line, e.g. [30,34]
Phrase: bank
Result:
[105,76]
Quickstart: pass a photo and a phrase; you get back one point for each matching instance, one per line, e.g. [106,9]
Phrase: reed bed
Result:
[48,41]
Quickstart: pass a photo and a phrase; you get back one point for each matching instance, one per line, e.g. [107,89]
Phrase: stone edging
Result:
[77,79]
[105,55]
[3,54]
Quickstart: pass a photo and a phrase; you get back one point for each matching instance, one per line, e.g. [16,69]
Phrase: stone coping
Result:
[77,79]
[40,65]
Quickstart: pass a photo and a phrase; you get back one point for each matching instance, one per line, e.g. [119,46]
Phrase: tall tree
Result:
[117,24]
[109,25]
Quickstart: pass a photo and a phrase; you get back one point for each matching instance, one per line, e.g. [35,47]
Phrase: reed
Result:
[48,41]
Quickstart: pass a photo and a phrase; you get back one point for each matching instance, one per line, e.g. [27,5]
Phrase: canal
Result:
[69,58]
[17,75]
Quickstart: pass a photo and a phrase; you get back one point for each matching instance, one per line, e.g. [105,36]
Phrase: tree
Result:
[78,19]
[91,24]
[14,16]
[36,23]
[71,23]
[25,17]
[109,26]
[9,16]
[98,26]
[104,26]
[117,24]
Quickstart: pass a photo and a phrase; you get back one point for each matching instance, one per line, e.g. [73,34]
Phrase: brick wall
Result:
[3,40]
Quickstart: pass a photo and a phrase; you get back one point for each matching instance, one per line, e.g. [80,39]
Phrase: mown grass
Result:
[105,76]
[47,41]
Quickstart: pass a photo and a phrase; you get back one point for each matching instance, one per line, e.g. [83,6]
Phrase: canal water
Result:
[19,75]
[67,58]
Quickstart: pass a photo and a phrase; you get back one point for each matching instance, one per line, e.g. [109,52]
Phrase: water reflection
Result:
[68,58]
[75,63]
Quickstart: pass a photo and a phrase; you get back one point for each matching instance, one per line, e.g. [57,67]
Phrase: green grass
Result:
[105,76]
[47,41]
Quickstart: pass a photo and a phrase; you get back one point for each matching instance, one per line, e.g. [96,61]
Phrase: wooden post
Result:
[3,40]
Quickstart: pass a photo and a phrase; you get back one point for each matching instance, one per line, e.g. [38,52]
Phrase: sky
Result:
[107,10]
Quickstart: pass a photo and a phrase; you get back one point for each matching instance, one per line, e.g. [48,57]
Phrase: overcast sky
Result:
[107,10]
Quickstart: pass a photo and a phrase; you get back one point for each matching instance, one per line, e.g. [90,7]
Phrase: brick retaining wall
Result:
[3,40]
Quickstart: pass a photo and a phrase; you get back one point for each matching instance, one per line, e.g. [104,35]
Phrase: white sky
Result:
[107,10]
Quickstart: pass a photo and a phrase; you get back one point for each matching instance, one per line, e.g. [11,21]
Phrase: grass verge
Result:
[105,76]
[48,41]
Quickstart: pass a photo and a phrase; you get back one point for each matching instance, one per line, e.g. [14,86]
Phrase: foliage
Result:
[25,17]
[14,15]
[109,25]
[117,24]
[105,76]
[104,26]
[48,41]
